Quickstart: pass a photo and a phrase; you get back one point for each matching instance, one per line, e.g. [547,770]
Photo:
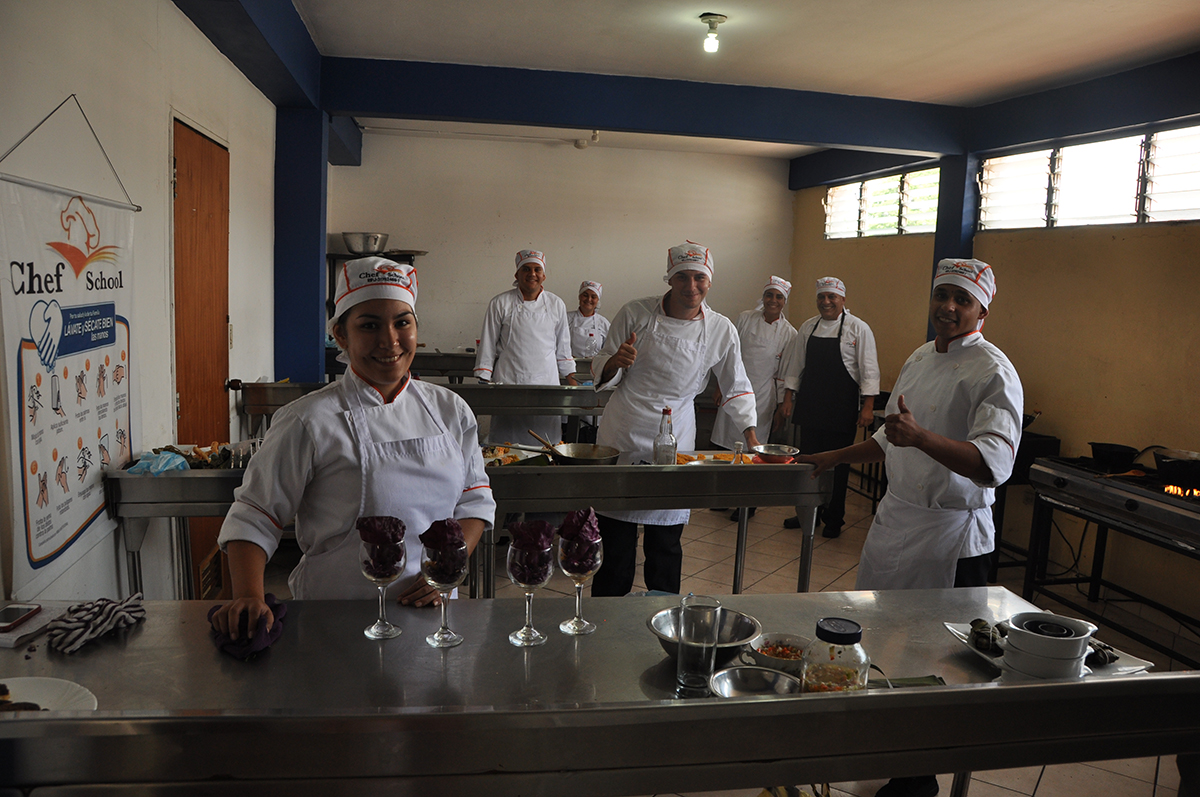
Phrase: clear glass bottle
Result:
[664,442]
[835,661]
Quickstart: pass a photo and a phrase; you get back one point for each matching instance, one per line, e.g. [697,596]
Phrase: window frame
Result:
[898,223]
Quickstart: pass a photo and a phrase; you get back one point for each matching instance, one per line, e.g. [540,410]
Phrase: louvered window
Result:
[901,203]
[1136,179]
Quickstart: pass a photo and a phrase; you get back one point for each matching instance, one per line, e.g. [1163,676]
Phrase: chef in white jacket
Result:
[588,328]
[659,352]
[525,341]
[950,438]
[765,334]
[373,443]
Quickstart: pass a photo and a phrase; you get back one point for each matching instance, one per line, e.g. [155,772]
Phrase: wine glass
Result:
[579,560]
[529,570]
[382,563]
[444,569]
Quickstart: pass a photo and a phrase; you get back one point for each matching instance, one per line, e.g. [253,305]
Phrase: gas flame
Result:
[1180,492]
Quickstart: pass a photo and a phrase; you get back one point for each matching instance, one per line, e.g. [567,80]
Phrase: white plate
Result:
[54,694]
[1126,664]
[520,455]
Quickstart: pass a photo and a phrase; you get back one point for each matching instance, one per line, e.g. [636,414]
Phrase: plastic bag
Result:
[157,464]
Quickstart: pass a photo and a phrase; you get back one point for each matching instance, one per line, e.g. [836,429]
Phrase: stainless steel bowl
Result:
[775,453]
[737,628]
[748,681]
[364,243]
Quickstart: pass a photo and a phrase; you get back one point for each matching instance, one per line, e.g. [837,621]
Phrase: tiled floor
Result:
[772,561]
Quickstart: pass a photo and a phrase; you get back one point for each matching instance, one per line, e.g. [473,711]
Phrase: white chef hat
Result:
[831,285]
[594,287]
[779,284]
[531,256]
[373,277]
[689,256]
[975,276]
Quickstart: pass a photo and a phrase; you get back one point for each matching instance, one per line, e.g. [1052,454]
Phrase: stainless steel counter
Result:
[329,712]
[532,399]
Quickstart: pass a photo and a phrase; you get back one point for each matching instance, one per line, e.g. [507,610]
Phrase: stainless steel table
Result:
[134,499]
[329,712]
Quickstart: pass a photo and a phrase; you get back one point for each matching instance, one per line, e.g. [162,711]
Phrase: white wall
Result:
[134,64]
[602,213]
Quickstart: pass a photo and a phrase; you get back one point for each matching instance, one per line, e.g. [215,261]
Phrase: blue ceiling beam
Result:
[345,142]
[267,41]
[832,166]
[455,92]
[1138,100]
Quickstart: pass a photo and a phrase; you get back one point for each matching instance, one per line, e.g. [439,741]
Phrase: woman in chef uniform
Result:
[949,439]
[525,341]
[659,352]
[588,328]
[373,443]
[764,333]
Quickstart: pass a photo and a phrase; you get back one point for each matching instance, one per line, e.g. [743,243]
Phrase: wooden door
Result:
[201,211]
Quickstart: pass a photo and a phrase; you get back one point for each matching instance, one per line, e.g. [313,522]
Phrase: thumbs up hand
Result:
[901,427]
[626,354]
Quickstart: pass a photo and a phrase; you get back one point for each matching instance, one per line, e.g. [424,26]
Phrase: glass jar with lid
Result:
[835,661]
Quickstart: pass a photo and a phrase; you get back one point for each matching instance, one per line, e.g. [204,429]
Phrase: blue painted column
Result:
[958,208]
[301,183]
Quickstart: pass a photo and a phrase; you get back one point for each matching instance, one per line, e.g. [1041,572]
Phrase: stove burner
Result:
[1181,492]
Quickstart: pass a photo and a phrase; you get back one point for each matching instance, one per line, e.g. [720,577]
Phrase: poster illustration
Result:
[67,291]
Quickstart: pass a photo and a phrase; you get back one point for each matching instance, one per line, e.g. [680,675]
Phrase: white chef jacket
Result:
[587,333]
[931,517]
[524,343]
[858,351]
[673,363]
[763,346]
[310,468]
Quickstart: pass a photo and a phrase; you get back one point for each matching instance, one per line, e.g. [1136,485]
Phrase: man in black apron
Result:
[825,405]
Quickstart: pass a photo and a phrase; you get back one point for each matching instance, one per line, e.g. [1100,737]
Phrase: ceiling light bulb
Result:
[712,20]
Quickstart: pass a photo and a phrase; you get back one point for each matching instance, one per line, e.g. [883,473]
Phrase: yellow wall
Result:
[1102,324]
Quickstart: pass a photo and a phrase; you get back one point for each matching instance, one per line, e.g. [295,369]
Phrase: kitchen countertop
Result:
[588,715]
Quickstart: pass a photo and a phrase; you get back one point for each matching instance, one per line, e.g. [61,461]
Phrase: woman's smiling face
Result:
[379,337]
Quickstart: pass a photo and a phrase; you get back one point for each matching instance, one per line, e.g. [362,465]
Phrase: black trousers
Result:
[973,571]
[664,557]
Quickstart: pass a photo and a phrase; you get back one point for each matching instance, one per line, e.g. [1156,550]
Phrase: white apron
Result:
[760,356]
[667,373]
[529,358]
[913,547]
[415,475]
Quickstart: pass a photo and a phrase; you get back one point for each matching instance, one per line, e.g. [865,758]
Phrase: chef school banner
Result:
[66,280]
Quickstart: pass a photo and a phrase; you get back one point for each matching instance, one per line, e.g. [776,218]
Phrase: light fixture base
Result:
[708,19]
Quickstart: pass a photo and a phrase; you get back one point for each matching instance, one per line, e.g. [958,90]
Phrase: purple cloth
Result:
[246,647]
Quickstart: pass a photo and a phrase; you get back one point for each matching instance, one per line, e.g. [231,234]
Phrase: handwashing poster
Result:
[67,290]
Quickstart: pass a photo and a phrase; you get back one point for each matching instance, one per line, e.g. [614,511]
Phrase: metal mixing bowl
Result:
[750,681]
[775,453]
[737,628]
[364,243]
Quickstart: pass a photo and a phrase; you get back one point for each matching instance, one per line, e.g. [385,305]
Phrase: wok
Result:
[1178,467]
[576,453]
[1113,458]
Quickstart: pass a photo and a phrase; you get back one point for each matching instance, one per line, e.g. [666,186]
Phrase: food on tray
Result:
[683,459]
[214,455]
[778,650]
[742,459]
[7,704]
[985,637]
[832,678]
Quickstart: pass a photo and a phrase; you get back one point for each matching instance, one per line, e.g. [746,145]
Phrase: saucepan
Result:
[1178,467]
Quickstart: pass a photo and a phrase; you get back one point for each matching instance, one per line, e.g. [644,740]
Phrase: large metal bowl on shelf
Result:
[737,628]
[365,243]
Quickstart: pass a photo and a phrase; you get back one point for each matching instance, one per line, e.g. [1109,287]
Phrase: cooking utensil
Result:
[1178,467]
[549,446]
[737,628]
[1113,458]
[746,681]
[364,243]
[576,453]
[775,453]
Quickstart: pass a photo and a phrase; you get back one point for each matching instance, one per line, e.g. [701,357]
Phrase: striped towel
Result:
[84,622]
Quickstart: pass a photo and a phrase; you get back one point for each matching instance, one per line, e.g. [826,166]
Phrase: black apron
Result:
[826,408]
